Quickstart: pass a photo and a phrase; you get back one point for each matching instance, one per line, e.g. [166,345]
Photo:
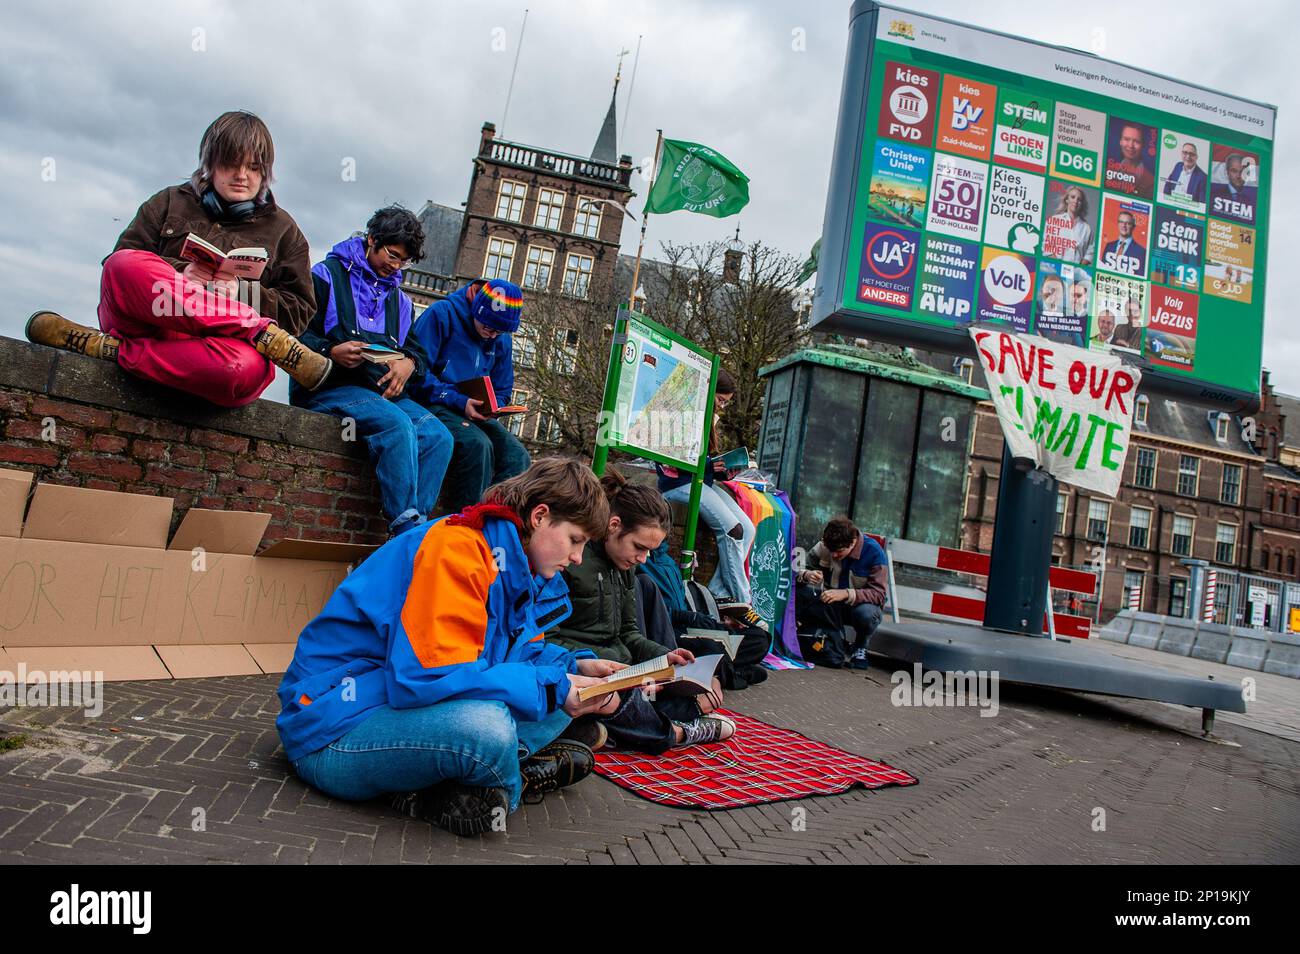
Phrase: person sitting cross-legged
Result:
[168,320]
[426,677]
[467,336]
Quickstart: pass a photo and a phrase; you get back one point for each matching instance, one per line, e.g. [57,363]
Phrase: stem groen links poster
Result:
[1003,182]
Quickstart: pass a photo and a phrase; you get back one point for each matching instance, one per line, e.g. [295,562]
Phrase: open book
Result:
[690,680]
[737,459]
[480,389]
[729,640]
[245,263]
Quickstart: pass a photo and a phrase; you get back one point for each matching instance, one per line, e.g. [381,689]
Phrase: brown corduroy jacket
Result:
[286,296]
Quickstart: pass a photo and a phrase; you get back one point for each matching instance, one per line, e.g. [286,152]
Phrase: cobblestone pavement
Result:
[1023,786]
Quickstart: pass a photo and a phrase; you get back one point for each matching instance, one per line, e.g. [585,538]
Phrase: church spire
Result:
[606,148]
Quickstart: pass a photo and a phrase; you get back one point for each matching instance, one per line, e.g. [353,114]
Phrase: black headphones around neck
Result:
[219,208]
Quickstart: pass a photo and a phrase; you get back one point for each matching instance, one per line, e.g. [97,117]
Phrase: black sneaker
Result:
[461,809]
[590,732]
[555,766]
[859,659]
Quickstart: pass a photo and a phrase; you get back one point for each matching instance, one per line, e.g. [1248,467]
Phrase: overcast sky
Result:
[119,94]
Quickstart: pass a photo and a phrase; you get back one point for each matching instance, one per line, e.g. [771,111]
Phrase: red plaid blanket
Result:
[760,763]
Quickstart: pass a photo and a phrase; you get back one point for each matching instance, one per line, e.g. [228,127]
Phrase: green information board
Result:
[983,178]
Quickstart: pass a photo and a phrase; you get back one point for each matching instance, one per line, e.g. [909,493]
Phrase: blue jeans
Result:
[722,515]
[485,453]
[403,750]
[864,618]
[409,447]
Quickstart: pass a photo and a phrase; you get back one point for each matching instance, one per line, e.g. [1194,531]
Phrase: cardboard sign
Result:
[1068,409]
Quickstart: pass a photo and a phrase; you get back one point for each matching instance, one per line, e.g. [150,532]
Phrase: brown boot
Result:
[48,328]
[304,365]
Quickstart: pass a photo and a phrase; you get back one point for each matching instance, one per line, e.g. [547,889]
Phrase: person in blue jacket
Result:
[360,305]
[466,336]
[426,676]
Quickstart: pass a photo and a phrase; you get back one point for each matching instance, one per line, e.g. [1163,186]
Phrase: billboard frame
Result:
[828,313]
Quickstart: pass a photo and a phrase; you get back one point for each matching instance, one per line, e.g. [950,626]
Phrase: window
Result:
[1263,558]
[510,200]
[537,267]
[524,346]
[1178,597]
[1140,409]
[1139,528]
[515,422]
[577,275]
[586,220]
[1062,502]
[1290,562]
[548,425]
[1182,540]
[1133,589]
[1230,489]
[1225,543]
[1144,470]
[564,351]
[1221,429]
[1098,519]
[1189,474]
[500,258]
[550,207]
[1268,500]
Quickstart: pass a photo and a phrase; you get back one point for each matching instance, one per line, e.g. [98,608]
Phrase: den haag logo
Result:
[888,273]
[907,104]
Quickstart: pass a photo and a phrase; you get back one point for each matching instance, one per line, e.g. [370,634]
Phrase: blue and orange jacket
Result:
[450,610]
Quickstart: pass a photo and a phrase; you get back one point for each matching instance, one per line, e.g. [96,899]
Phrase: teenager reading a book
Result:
[426,677]
[733,530]
[467,337]
[162,318]
[602,588]
[363,323]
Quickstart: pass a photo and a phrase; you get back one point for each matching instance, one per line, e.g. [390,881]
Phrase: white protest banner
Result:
[1068,409]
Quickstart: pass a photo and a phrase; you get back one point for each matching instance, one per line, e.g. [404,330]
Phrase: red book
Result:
[480,389]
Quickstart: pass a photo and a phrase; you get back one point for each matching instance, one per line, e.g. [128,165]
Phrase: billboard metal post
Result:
[1022,549]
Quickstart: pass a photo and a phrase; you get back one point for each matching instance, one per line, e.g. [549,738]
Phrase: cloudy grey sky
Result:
[118,95]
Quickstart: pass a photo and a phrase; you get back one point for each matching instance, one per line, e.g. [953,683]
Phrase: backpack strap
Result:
[344,304]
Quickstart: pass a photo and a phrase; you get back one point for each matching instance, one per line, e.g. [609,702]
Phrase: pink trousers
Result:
[178,333]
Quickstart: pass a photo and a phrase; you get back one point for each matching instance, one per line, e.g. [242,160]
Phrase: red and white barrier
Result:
[1135,598]
[917,600]
[1211,584]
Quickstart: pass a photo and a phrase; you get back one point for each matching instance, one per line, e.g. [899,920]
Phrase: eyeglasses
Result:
[395,258]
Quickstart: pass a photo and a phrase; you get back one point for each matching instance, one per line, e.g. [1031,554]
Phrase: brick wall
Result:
[111,431]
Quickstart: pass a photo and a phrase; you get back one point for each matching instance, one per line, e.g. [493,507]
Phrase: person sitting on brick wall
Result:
[360,303]
[603,589]
[467,336]
[426,676]
[164,319]
[855,574]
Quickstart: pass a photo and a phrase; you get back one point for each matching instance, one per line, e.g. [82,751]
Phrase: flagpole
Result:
[645,220]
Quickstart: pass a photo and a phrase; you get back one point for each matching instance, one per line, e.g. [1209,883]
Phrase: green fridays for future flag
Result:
[697,179]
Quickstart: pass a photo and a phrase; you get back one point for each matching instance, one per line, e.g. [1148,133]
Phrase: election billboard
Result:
[981,179]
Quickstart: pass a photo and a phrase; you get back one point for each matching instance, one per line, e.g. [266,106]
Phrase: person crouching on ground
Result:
[603,590]
[164,319]
[852,573]
[467,336]
[426,677]
[360,304]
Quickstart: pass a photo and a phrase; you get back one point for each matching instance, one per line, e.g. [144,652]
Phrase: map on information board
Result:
[662,395]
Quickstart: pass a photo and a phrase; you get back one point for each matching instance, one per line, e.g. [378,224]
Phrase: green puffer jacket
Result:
[604,611]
